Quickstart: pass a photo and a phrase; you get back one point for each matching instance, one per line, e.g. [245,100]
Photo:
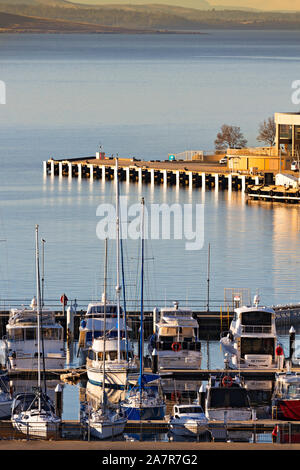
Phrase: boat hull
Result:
[39,429]
[179,360]
[31,363]
[230,414]
[288,409]
[114,379]
[188,429]
[144,412]
[106,430]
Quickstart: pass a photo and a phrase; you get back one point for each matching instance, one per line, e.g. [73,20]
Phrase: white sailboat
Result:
[120,357]
[33,413]
[145,399]
[104,423]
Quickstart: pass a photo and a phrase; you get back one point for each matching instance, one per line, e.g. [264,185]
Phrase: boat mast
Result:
[104,325]
[118,288]
[38,307]
[142,300]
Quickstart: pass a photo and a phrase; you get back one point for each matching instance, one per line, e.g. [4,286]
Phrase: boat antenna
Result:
[104,326]
[38,307]
[118,288]
[208,277]
[43,270]
[142,300]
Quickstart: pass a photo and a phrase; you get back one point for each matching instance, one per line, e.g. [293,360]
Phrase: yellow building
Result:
[270,159]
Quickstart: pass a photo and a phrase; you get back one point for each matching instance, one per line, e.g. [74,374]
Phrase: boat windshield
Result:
[97,309]
[29,401]
[293,390]
[257,318]
[191,410]
[228,398]
[263,346]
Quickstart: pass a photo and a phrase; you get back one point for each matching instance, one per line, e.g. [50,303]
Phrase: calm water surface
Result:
[143,96]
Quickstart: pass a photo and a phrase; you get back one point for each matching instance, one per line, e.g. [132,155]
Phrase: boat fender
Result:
[176,347]
[279,351]
[227,381]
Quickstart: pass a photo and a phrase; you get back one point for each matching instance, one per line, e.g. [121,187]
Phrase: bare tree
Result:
[267,131]
[230,137]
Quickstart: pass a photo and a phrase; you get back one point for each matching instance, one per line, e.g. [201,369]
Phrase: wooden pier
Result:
[189,174]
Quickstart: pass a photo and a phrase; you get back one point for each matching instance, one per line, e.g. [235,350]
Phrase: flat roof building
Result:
[288,132]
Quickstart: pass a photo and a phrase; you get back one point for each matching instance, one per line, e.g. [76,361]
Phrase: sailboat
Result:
[145,399]
[104,423]
[120,361]
[33,413]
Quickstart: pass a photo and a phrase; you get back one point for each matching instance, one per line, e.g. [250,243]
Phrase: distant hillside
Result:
[25,24]
[152,16]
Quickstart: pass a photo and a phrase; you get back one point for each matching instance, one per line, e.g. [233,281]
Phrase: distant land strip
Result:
[42,16]
[29,24]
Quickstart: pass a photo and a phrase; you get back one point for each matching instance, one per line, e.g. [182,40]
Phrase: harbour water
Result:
[66,95]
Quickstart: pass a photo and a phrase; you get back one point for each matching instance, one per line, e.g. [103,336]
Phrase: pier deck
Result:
[180,173]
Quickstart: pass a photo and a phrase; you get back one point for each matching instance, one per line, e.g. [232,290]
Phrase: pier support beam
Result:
[165,177]
[190,179]
[60,169]
[152,176]
[203,181]
[45,168]
[52,167]
[243,178]
[127,170]
[91,172]
[103,172]
[229,182]
[216,181]
[79,166]
[70,171]
[140,173]
[177,178]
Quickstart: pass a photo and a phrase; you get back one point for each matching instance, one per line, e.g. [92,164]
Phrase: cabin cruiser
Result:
[91,326]
[188,420]
[21,339]
[286,396]
[252,339]
[176,339]
[116,371]
[227,399]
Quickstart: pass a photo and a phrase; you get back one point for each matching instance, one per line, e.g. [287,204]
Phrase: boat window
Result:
[191,409]
[51,333]
[17,334]
[228,398]
[164,331]
[188,332]
[293,390]
[257,346]
[30,333]
[113,355]
[256,318]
